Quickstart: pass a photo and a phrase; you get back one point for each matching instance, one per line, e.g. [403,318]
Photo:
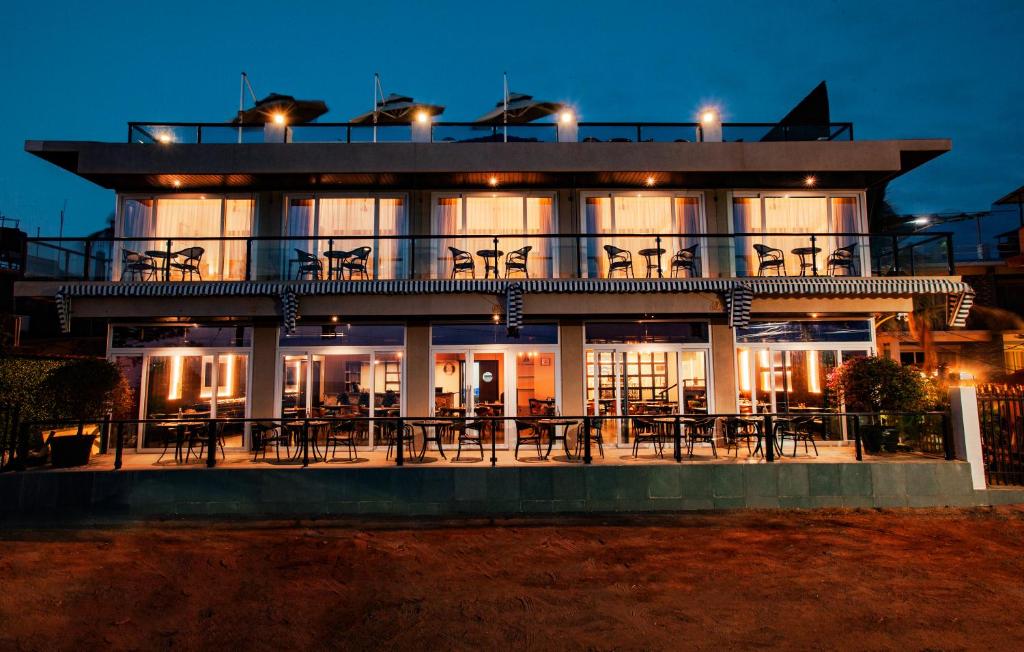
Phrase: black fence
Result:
[516,255]
[1001,416]
[571,439]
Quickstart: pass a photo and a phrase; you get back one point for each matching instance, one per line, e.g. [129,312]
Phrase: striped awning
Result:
[737,294]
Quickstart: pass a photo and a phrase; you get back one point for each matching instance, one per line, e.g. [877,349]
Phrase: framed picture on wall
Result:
[545,362]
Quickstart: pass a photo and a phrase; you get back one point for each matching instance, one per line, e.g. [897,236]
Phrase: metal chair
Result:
[619,260]
[462,261]
[770,258]
[798,429]
[355,262]
[684,260]
[647,431]
[343,433]
[388,430]
[527,433]
[471,433]
[515,261]
[596,427]
[136,266]
[308,265]
[701,431]
[190,257]
[265,433]
[842,258]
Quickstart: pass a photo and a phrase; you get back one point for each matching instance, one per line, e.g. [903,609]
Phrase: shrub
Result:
[85,389]
[20,382]
[873,384]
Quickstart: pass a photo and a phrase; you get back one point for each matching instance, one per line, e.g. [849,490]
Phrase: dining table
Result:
[805,253]
[490,257]
[432,431]
[165,257]
[181,428]
[552,424]
[652,256]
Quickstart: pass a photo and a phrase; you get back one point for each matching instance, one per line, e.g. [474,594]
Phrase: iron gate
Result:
[1001,412]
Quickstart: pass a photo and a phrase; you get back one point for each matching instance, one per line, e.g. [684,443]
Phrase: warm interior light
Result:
[279,118]
[813,373]
[176,183]
[810,180]
[744,370]
[764,366]
[422,117]
[334,318]
[164,138]
[565,117]
[174,384]
[493,181]
[650,181]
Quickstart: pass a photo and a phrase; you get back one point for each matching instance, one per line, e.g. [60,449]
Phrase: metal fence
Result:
[572,439]
[1001,415]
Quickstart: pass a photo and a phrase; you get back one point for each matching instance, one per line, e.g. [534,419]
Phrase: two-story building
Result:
[427,267]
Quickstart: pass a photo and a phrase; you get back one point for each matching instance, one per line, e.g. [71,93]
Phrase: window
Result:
[344,224]
[474,221]
[805,331]
[641,218]
[194,225]
[345,334]
[640,332]
[131,337]
[454,334]
[788,222]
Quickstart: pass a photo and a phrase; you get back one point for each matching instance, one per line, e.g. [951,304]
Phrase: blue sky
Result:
[896,69]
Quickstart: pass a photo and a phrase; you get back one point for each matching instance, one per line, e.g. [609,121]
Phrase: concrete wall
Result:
[444,490]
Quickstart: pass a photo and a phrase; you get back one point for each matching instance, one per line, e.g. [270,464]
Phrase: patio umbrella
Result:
[522,108]
[396,109]
[296,111]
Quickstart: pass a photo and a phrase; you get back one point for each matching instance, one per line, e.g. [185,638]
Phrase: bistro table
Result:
[653,258]
[805,253]
[334,260]
[490,257]
[436,428]
[180,428]
[683,421]
[552,425]
[166,257]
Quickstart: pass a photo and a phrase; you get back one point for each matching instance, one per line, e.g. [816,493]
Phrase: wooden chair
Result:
[188,263]
[619,260]
[307,265]
[843,258]
[685,260]
[462,261]
[769,258]
[515,261]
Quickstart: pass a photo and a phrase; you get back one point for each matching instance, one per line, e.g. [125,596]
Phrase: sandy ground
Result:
[819,580]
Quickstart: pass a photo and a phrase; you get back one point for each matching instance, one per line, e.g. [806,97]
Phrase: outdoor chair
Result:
[355,263]
[527,433]
[738,431]
[701,431]
[388,430]
[190,258]
[341,433]
[596,427]
[684,260]
[646,431]
[136,266]
[842,258]
[619,260]
[798,429]
[200,439]
[307,265]
[265,433]
[769,258]
[470,433]
[462,261]
[515,261]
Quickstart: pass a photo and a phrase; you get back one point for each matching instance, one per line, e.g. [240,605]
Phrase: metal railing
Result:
[549,256]
[763,435]
[468,132]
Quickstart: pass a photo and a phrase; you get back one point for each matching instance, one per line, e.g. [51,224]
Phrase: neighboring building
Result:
[428,267]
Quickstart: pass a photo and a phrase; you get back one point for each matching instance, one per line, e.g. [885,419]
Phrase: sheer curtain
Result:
[447,222]
[490,216]
[844,220]
[346,216]
[300,223]
[689,221]
[539,211]
[797,215]
[182,219]
[237,222]
[597,216]
[746,218]
[391,253]
[138,220]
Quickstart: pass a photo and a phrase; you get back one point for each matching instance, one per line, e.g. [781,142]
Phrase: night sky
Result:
[896,69]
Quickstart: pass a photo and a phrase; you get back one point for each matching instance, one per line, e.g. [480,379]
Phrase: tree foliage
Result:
[86,389]
[873,384]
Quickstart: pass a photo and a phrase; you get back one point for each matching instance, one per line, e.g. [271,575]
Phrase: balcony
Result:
[510,256]
[467,132]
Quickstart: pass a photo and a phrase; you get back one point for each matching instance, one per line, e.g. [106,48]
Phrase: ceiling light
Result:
[810,181]
[650,181]
[177,183]
[492,182]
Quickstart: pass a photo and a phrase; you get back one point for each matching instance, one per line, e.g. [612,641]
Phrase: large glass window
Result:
[447,334]
[634,222]
[796,226]
[471,223]
[335,226]
[194,226]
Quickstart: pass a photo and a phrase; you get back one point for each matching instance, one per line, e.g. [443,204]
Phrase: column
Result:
[570,338]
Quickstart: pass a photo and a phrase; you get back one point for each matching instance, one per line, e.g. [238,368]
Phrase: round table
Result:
[435,426]
[490,257]
[804,253]
[180,428]
[166,257]
[653,257]
[554,424]
[334,260]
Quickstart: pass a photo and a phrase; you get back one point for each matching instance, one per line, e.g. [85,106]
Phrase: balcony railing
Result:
[467,132]
[544,256]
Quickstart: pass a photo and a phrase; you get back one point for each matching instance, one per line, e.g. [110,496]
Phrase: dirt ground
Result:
[819,580]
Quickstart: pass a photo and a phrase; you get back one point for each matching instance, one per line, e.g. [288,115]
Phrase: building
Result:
[420,267]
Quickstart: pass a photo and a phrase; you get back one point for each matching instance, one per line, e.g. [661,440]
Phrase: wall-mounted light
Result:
[174,383]
[711,125]
[496,314]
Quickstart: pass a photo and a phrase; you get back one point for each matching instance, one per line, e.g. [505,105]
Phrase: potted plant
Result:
[83,391]
[873,384]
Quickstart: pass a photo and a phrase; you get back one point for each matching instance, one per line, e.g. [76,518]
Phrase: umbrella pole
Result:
[377,90]
[241,104]
[504,111]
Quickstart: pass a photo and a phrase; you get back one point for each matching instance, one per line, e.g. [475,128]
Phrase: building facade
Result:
[572,268]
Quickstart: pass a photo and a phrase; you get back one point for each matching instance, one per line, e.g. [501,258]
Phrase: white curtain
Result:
[237,223]
[181,219]
[746,216]
[447,222]
[844,220]
[391,255]
[797,215]
[300,223]
[598,219]
[346,216]
[137,221]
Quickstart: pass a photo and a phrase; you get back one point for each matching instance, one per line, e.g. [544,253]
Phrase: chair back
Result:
[361,254]
[129,257]
[848,252]
[615,254]
[192,255]
[460,256]
[518,257]
[764,251]
[524,427]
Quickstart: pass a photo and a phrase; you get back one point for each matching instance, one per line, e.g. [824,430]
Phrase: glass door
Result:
[473,383]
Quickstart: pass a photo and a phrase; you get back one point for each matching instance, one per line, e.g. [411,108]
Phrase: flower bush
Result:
[873,384]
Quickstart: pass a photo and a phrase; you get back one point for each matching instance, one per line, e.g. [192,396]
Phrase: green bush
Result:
[20,382]
[86,389]
[873,384]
